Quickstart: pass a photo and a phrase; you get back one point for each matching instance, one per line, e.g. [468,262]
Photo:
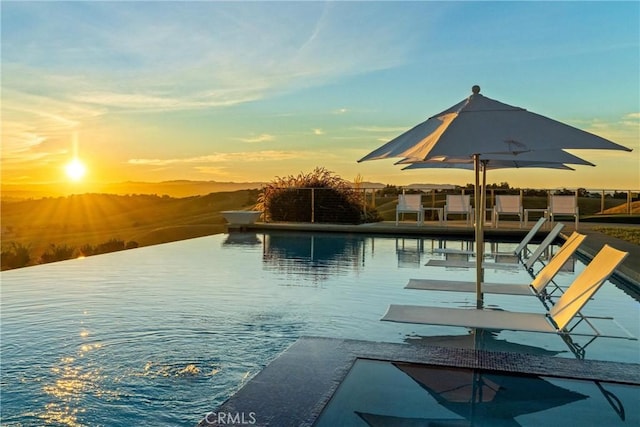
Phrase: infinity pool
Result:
[162,335]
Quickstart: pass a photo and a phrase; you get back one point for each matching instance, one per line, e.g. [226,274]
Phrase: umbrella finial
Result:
[475,89]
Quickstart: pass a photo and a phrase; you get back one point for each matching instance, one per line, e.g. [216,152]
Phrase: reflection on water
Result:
[479,339]
[409,252]
[318,255]
[242,238]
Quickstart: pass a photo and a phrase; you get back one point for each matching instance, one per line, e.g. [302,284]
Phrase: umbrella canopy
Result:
[481,129]
[480,125]
[498,164]
[499,161]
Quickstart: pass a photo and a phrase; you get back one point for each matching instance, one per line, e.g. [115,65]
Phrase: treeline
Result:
[17,255]
[505,188]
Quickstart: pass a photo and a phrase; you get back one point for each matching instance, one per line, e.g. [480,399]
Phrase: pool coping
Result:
[295,387]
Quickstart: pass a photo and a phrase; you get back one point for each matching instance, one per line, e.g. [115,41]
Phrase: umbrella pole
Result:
[478,231]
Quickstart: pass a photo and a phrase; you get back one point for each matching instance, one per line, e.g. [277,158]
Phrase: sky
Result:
[249,91]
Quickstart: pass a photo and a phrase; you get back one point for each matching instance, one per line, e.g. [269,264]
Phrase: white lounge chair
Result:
[458,204]
[561,319]
[563,206]
[537,287]
[410,203]
[527,263]
[507,205]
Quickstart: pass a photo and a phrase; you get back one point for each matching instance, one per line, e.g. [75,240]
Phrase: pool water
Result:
[162,335]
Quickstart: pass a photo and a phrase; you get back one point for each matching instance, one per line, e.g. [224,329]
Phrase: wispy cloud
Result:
[35,126]
[265,137]
[166,56]
[245,156]
[381,129]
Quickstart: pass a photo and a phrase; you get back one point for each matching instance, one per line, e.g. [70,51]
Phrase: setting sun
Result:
[75,169]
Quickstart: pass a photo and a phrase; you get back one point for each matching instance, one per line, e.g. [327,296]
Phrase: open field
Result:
[92,219]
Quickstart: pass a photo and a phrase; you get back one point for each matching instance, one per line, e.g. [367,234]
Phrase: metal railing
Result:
[324,205]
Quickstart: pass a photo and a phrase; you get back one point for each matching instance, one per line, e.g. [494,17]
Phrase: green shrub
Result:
[16,255]
[57,253]
[111,245]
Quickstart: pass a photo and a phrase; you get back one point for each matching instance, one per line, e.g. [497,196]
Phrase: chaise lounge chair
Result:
[558,320]
[537,287]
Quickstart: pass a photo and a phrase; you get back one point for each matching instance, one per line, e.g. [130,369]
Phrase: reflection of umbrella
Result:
[377,420]
[488,396]
[478,127]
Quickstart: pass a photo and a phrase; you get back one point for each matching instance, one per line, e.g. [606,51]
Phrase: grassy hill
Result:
[92,219]
[622,209]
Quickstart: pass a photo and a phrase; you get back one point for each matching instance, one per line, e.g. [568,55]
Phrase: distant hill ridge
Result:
[175,188]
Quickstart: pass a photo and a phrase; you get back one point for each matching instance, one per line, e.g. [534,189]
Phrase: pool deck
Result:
[629,270]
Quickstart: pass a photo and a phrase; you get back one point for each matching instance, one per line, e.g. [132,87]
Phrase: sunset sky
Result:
[238,91]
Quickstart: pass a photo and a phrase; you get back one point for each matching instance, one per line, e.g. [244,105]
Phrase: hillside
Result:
[176,188]
[622,209]
[92,219]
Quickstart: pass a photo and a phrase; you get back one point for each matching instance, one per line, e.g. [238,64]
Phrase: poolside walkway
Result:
[629,271]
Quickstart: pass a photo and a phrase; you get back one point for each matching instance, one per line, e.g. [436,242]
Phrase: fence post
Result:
[521,197]
[629,202]
[602,203]
[364,201]
[313,206]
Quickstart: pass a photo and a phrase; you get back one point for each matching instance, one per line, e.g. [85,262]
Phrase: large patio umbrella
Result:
[487,397]
[479,127]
